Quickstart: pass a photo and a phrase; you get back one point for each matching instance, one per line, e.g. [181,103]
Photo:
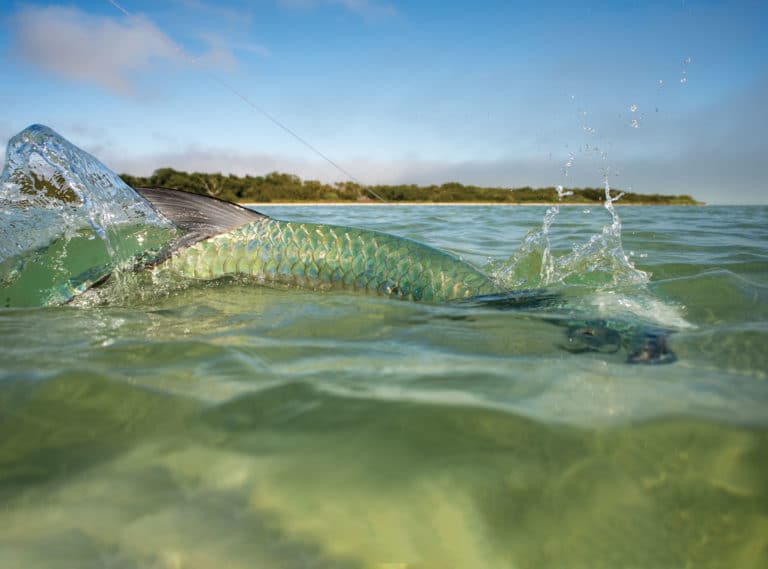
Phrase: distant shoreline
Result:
[278,188]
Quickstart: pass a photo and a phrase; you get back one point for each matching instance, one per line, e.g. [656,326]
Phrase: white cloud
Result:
[366,8]
[78,46]
[225,46]
[216,10]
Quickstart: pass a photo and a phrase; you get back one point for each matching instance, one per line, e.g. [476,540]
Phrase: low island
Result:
[277,187]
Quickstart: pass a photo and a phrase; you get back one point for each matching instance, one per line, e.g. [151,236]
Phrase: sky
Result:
[662,96]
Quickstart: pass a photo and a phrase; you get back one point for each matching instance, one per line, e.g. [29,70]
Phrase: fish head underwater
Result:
[191,237]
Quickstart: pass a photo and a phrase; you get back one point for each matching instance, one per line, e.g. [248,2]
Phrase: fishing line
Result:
[262,112]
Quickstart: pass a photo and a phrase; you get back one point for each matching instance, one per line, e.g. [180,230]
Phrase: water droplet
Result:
[561,193]
[684,71]
[569,163]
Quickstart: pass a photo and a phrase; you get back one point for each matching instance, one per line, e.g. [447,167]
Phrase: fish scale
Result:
[315,256]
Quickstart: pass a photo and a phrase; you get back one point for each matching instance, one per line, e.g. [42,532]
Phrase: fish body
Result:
[222,239]
[318,256]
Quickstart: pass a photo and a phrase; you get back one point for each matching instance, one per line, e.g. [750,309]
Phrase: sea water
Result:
[232,425]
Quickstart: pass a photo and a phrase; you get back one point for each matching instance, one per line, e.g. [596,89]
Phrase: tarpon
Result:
[223,239]
[192,236]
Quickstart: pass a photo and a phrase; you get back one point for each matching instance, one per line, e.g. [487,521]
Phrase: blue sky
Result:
[668,95]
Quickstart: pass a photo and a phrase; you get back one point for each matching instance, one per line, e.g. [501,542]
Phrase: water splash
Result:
[67,220]
[599,261]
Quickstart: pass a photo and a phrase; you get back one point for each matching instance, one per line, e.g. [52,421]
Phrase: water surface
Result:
[231,425]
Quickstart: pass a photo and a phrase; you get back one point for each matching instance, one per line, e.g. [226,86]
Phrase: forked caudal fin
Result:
[199,217]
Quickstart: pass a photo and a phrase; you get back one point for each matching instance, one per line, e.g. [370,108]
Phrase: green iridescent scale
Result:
[314,256]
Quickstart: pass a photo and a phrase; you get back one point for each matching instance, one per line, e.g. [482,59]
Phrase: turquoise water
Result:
[232,425]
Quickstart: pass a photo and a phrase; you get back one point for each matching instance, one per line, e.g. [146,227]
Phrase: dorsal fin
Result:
[198,216]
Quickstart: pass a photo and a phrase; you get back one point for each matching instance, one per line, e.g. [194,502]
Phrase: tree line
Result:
[281,187]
